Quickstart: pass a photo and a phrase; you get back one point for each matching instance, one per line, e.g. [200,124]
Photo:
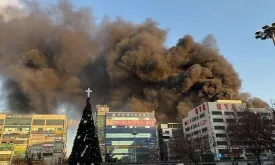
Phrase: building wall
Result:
[34,135]
[119,137]
[210,119]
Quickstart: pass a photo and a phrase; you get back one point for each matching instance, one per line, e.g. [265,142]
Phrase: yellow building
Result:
[37,137]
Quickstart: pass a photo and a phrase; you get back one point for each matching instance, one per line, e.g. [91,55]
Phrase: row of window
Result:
[220,113]
[217,120]
[200,131]
[205,129]
[28,122]
[198,117]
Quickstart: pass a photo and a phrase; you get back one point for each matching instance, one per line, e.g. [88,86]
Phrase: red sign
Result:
[200,108]
[130,122]
[226,106]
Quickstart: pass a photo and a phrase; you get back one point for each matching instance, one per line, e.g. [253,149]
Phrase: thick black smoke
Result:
[48,56]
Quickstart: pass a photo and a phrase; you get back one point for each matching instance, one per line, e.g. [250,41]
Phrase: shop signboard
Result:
[49,117]
[19,116]
[129,114]
[110,122]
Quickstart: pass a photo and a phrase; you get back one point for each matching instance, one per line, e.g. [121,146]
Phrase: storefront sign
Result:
[134,114]
[130,122]
[128,135]
[49,117]
[200,108]
[5,152]
[19,116]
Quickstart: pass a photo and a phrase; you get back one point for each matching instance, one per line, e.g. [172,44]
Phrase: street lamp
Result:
[135,133]
[268,32]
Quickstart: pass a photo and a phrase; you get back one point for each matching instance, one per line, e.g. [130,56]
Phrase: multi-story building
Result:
[209,120]
[100,125]
[38,137]
[166,134]
[132,135]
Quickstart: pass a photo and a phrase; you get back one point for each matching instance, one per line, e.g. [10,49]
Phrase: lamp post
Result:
[135,133]
[268,32]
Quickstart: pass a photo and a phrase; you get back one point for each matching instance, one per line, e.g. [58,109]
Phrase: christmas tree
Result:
[86,146]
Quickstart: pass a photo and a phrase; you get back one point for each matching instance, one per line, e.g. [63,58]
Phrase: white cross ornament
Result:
[88,92]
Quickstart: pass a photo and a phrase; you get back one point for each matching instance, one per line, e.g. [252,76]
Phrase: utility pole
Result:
[268,32]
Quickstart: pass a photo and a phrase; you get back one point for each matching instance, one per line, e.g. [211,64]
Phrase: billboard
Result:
[140,115]
[49,117]
[110,122]
[19,116]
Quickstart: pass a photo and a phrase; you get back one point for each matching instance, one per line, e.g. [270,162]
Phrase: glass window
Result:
[194,126]
[222,143]
[229,113]
[230,120]
[196,132]
[38,122]
[1,121]
[202,115]
[222,135]
[187,129]
[218,120]
[219,127]
[204,129]
[194,119]
[21,142]
[54,122]
[216,113]
[18,121]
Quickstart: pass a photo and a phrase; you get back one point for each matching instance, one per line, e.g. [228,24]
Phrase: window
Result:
[216,113]
[21,142]
[1,121]
[230,120]
[202,115]
[38,122]
[18,121]
[204,129]
[222,143]
[219,127]
[187,129]
[218,120]
[229,113]
[194,126]
[194,119]
[54,122]
[221,135]
[196,132]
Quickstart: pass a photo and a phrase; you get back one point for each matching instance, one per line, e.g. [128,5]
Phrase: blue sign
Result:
[220,155]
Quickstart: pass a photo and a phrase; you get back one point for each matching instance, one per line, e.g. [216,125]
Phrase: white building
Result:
[210,119]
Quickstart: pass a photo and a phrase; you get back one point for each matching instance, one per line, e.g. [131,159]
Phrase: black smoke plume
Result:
[50,54]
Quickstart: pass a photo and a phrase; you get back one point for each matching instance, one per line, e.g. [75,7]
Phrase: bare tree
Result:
[190,148]
[251,131]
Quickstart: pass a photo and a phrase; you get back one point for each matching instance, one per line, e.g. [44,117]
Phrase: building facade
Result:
[209,120]
[131,135]
[38,137]
[100,125]
[166,134]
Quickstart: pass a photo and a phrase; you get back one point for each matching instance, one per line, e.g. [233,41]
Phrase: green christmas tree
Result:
[86,145]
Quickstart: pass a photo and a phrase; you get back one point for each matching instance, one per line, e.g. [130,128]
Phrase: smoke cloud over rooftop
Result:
[51,54]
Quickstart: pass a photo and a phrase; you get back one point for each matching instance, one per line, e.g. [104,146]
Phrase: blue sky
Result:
[233,23]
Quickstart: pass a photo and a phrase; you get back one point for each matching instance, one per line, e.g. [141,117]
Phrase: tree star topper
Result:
[88,92]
